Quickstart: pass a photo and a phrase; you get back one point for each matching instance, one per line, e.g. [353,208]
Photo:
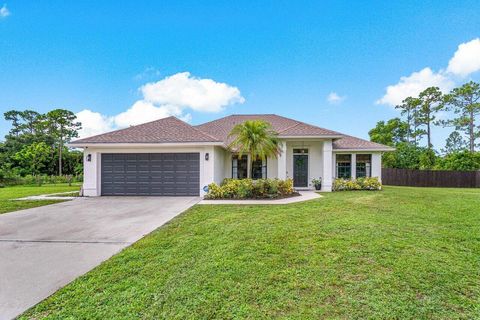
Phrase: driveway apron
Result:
[43,249]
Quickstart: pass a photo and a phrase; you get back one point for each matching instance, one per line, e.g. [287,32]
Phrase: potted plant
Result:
[317,183]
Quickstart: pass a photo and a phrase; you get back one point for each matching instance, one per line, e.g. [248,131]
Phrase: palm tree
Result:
[254,137]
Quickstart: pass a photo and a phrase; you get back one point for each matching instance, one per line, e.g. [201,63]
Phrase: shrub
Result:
[357,184]
[250,189]
[10,179]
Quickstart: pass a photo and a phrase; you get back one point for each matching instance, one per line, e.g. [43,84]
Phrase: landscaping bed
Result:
[249,189]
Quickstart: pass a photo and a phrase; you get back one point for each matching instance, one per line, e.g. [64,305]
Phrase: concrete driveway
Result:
[42,249]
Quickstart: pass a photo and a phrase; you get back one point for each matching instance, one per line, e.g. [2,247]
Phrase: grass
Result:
[7,194]
[403,253]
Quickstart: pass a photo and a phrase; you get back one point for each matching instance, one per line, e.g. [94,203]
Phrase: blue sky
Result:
[282,57]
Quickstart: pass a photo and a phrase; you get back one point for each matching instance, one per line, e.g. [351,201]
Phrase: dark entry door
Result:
[150,174]
[300,170]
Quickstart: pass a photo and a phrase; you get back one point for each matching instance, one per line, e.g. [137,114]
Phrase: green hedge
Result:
[250,189]
[356,184]
[11,180]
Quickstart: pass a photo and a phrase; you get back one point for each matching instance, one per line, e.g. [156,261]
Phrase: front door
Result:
[300,170]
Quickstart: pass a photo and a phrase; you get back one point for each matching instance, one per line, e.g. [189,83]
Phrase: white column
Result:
[327,166]
[91,173]
[377,165]
[354,166]
[282,161]
[207,170]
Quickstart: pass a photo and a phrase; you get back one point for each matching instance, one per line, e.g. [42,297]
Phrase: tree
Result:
[390,133]
[254,137]
[465,103]
[454,143]
[63,128]
[431,101]
[410,109]
[408,156]
[462,161]
[34,157]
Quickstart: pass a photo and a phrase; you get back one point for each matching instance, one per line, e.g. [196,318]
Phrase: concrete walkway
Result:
[43,249]
[51,196]
[304,196]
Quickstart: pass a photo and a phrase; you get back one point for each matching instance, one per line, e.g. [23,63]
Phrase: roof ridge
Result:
[198,125]
[290,127]
[202,132]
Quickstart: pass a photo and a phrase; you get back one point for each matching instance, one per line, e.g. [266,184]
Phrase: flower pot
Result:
[318,186]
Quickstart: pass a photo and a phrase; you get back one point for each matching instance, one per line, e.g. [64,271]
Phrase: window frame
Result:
[342,164]
[367,168]
[263,169]
[235,168]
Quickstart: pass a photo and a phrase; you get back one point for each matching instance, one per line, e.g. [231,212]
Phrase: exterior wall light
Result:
[89,157]
[206,156]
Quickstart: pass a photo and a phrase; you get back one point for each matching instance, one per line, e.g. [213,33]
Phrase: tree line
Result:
[411,134]
[36,144]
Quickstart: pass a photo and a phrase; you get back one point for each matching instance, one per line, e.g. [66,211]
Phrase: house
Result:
[171,157]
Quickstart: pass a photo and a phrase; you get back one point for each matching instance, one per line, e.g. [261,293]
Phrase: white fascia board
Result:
[311,137]
[364,150]
[143,145]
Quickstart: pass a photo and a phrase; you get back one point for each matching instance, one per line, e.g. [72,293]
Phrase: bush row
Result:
[357,184]
[11,180]
[250,189]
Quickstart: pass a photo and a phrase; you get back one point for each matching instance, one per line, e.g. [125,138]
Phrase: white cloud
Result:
[334,98]
[4,12]
[466,59]
[184,91]
[171,96]
[415,83]
[93,123]
[143,111]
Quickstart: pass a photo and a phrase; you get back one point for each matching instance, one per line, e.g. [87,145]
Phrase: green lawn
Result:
[403,253]
[9,193]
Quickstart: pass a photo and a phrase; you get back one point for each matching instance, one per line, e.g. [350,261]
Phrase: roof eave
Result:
[142,144]
[311,137]
[365,149]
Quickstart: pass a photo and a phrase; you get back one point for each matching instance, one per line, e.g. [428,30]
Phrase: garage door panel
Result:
[160,174]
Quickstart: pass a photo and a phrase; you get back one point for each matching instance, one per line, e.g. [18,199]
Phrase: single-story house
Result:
[171,157]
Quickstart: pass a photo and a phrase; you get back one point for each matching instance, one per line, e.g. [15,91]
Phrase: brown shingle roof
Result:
[283,126]
[173,130]
[353,143]
[166,130]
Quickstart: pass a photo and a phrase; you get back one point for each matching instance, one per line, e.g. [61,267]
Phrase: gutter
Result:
[142,145]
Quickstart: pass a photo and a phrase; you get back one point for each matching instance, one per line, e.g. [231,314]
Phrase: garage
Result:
[150,174]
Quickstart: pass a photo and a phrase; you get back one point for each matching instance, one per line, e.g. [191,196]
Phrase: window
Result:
[300,151]
[239,167]
[364,165]
[344,166]
[259,169]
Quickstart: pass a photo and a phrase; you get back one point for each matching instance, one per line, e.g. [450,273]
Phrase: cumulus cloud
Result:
[183,90]
[171,96]
[143,111]
[335,98]
[4,12]
[413,84]
[466,59]
[94,123]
